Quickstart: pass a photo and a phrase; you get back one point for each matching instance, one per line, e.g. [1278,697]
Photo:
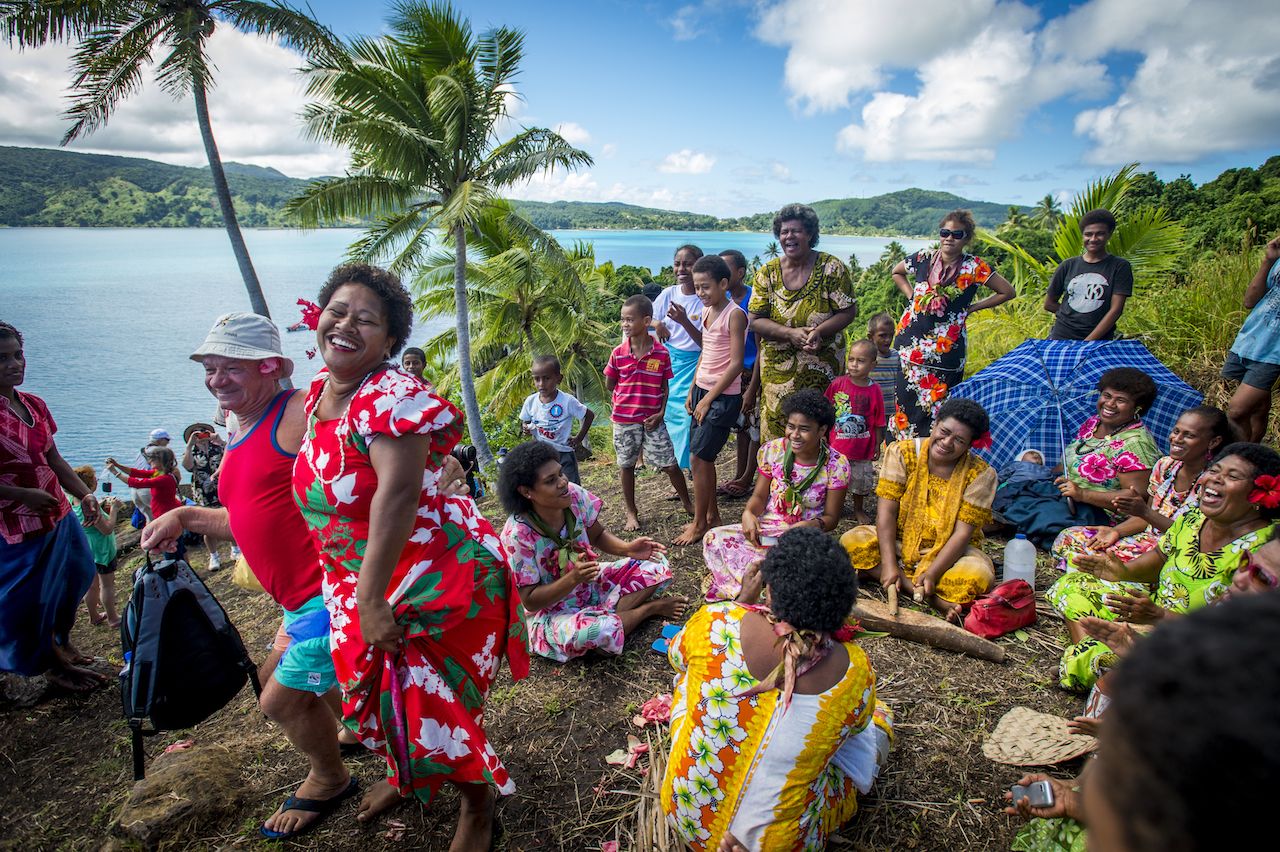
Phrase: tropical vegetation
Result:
[422,111]
[117,39]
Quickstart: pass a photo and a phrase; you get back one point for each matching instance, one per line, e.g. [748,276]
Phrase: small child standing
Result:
[715,398]
[888,367]
[637,375]
[548,414]
[860,422]
[102,544]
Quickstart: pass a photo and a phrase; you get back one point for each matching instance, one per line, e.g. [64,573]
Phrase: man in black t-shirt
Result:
[1088,292]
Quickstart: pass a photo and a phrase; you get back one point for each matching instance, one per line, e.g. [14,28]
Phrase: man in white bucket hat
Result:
[243,368]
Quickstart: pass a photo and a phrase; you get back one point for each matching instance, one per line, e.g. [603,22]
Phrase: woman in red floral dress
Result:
[421,601]
[931,337]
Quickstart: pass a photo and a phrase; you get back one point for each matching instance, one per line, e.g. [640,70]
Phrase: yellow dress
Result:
[777,779]
[928,509]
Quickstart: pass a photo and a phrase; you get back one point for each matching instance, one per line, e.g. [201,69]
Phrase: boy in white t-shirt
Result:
[548,415]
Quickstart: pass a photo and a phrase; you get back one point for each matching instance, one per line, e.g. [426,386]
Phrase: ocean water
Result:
[110,316]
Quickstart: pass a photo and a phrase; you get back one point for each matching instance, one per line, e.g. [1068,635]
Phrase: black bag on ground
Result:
[184,660]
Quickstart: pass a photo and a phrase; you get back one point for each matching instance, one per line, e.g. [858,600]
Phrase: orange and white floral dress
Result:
[776,778]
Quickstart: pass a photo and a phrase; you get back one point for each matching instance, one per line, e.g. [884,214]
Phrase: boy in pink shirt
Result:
[860,422]
[637,375]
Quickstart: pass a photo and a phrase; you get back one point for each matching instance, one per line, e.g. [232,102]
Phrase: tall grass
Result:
[1188,321]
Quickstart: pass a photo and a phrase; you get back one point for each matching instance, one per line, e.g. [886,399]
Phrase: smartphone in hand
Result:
[1039,792]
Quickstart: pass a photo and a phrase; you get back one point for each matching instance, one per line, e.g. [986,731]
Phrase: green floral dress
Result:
[785,369]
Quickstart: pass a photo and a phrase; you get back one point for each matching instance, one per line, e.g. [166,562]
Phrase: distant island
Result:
[45,187]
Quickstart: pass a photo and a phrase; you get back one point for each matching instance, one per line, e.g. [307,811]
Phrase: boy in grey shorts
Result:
[637,375]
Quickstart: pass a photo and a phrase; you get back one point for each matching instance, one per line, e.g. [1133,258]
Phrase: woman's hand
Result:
[1104,566]
[1129,502]
[1065,802]
[752,584]
[378,626]
[1103,538]
[583,572]
[1136,608]
[798,337]
[1068,488]
[37,499]
[112,462]
[1085,726]
[729,843]
[751,528]
[1115,635]
[812,339]
[645,547]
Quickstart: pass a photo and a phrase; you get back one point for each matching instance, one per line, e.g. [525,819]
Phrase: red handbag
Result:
[1006,608]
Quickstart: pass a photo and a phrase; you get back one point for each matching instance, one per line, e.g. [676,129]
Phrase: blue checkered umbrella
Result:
[1039,394]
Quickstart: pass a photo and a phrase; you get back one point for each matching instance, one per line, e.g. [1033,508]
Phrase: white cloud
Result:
[838,48]
[961,181]
[253,108]
[1206,84]
[575,134]
[684,23]
[607,150]
[780,172]
[686,161]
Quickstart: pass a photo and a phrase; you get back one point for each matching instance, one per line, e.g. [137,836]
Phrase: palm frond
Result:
[336,200]
[527,153]
[293,27]
[32,23]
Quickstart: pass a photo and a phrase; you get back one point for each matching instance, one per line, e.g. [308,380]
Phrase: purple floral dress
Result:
[586,619]
[726,550]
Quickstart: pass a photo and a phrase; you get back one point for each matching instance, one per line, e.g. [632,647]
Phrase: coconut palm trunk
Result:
[223,193]
[475,427]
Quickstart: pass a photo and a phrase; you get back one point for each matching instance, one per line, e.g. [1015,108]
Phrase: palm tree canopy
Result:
[421,110]
[118,40]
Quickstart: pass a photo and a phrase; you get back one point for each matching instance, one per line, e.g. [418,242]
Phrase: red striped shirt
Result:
[639,390]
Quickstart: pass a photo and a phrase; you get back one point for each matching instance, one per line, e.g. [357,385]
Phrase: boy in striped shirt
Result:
[637,375]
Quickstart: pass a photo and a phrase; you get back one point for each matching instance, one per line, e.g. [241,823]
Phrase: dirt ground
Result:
[65,763]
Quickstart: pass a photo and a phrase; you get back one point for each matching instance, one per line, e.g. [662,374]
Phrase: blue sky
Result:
[733,107]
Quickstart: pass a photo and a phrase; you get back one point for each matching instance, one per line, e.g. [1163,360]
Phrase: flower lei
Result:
[1266,492]
[793,493]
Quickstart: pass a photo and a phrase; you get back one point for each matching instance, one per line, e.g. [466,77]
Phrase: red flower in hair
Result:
[1266,492]
[310,313]
[982,442]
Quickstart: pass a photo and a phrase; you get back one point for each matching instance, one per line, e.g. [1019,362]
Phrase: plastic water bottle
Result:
[1020,560]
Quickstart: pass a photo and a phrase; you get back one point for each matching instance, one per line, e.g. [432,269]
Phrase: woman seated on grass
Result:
[1192,564]
[1194,702]
[576,602]
[801,484]
[1175,482]
[934,498]
[775,726]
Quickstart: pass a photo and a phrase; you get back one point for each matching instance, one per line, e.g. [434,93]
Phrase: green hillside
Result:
[64,188]
[53,187]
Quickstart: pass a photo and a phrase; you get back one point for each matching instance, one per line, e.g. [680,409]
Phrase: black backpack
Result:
[184,659]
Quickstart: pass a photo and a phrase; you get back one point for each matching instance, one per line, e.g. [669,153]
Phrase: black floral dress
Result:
[931,338]
[205,462]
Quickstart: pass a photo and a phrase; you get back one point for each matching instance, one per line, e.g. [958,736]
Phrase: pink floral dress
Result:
[451,591]
[726,550]
[1095,464]
[586,619]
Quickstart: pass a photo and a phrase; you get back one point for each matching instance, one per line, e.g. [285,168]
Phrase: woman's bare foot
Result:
[476,818]
[290,821]
[381,798]
[70,656]
[632,524]
[691,534]
[75,679]
[861,517]
[952,612]
[672,606]
[97,618]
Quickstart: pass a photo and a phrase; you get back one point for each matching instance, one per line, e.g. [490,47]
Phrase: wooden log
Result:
[893,601]
[925,629]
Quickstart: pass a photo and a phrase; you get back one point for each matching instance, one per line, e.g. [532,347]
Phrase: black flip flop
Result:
[323,807]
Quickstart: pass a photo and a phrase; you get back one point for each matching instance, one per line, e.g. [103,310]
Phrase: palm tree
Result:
[118,39]
[1015,220]
[1046,213]
[528,296]
[772,249]
[421,111]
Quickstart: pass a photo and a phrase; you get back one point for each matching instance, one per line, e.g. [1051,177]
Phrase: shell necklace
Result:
[341,432]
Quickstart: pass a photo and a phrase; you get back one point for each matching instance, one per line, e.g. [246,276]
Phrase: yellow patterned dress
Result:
[785,369]
[928,509]
[776,780]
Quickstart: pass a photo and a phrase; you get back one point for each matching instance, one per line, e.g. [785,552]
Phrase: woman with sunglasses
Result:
[942,288]
[1192,565]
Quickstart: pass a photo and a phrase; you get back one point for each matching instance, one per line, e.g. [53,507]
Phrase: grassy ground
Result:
[65,769]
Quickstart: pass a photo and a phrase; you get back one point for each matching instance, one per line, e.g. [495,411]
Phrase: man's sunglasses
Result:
[959,235]
[1256,572]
